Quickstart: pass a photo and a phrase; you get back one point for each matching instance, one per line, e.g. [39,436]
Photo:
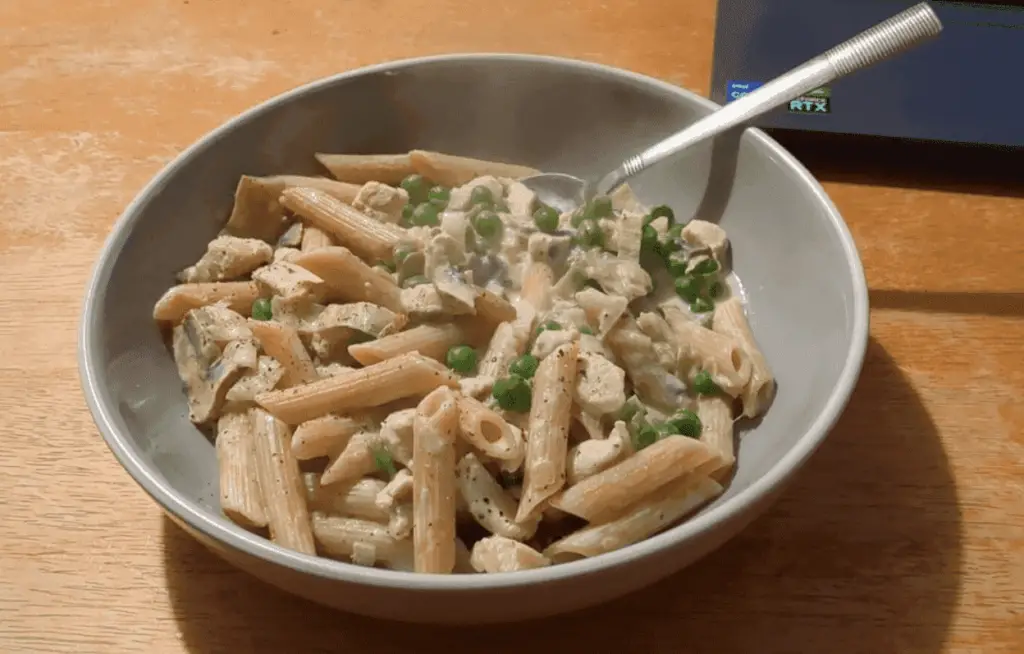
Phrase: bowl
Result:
[807,299]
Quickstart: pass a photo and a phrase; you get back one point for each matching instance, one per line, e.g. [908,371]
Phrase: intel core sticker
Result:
[818,101]
[735,90]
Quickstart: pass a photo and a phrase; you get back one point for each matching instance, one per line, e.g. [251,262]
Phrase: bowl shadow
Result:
[861,554]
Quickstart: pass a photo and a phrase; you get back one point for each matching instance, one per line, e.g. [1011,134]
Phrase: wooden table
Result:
[905,534]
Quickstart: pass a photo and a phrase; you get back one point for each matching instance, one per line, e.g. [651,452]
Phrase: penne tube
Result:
[547,442]
[314,238]
[434,490]
[356,500]
[429,340]
[508,342]
[370,239]
[500,554]
[639,521]
[536,287]
[715,413]
[493,309]
[729,319]
[349,279]
[257,213]
[180,299]
[354,461]
[325,436]
[407,375]
[284,492]
[362,540]
[283,343]
[490,504]
[612,490]
[241,498]
[451,170]
[357,169]
[488,432]
[719,355]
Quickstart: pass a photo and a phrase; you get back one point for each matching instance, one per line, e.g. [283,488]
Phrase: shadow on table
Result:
[950,167]
[985,304]
[861,554]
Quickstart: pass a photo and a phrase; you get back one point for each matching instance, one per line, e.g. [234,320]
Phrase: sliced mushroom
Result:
[227,258]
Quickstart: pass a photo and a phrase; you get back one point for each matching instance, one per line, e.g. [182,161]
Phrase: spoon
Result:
[887,39]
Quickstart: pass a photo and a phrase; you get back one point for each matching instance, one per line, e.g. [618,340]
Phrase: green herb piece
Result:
[385,462]
[585,329]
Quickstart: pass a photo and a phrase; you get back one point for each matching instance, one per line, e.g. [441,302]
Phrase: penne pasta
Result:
[356,500]
[434,489]
[498,554]
[282,342]
[490,504]
[403,376]
[314,238]
[364,542]
[325,436]
[430,340]
[370,239]
[642,520]
[361,168]
[349,279]
[451,170]
[241,498]
[547,442]
[730,319]
[537,282]
[284,492]
[493,309]
[508,342]
[610,491]
[354,461]
[715,413]
[489,433]
[719,355]
[180,299]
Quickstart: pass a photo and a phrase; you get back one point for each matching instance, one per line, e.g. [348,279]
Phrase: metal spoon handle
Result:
[887,39]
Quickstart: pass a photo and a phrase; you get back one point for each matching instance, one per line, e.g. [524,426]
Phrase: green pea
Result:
[407,211]
[677,266]
[481,195]
[663,210]
[666,429]
[415,280]
[675,232]
[461,358]
[590,234]
[706,267]
[600,207]
[687,423]
[487,223]
[402,253]
[524,366]
[577,218]
[425,215]
[688,288]
[512,394]
[546,219]
[649,239]
[702,305]
[585,329]
[645,436]
[416,187]
[550,325]
[703,384]
[439,196]
[630,409]
[716,290]
[667,247]
[262,309]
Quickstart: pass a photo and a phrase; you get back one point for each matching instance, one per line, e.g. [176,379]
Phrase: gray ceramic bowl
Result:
[807,298]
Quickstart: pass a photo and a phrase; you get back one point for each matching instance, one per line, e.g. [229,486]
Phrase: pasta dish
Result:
[417,365]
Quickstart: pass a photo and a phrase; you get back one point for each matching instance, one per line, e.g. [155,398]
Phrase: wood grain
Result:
[905,534]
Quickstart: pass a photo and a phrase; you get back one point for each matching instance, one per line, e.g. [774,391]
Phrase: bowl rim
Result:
[237,538]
